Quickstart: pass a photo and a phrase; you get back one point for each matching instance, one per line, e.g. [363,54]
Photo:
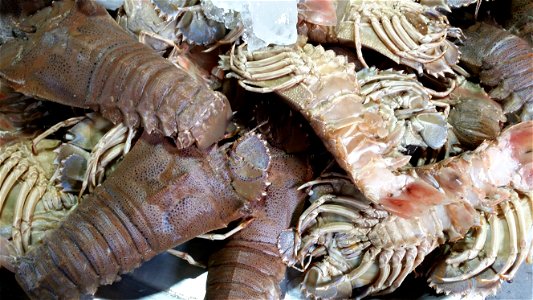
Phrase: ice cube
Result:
[226,12]
[265,21]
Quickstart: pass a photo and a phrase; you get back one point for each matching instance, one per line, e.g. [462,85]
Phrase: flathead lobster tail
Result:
[79,56]
[245,270]
[249,266]
[505,62]
[157,198]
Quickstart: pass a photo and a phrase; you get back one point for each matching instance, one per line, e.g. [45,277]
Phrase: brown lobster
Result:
[505,62]
[249,266]
[157,198]
[74,53]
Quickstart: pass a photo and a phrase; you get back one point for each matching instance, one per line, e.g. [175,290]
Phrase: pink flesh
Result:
[415,199]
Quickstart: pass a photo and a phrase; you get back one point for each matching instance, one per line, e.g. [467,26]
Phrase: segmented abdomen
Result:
[506,63]
[146,206]
[245,270]
[249,266]
[90,248]
[80,57]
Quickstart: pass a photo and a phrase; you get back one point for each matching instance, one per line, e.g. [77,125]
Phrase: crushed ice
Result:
[265,21]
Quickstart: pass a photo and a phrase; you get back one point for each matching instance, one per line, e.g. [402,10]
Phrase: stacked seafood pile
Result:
[356,141]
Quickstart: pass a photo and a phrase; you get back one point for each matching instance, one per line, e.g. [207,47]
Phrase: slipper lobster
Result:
[249,266]
[74,53]
[505,62]
[145,207]
[372,121]
[367,249]
[363,136]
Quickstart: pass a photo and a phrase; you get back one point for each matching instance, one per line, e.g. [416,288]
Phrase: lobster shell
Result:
[249,266]
[79,56]
[158,198]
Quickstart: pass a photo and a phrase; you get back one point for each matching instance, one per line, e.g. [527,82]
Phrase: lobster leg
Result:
[506,248]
